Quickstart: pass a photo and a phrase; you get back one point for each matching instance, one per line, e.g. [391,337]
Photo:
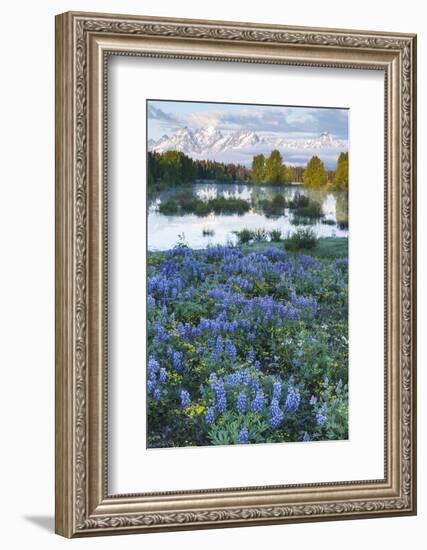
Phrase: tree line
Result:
[175,167]
[272,170]
[315,175]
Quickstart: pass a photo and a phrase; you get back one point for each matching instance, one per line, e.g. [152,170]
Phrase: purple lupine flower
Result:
[258,401]
[251,356]
[230,348]
[210,416]
[277,390]
[241,403]
[321,417]
[177,361]
[153,367]
[162,375]
[185,399]
[292,400]
[276,413]
[221,398]
[243,435]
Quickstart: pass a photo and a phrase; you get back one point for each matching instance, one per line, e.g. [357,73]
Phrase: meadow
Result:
[247,344]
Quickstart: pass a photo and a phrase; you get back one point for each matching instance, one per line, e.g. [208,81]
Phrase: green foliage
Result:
[275,170]
[226,432]
[270,170]
[260,234]
[298,201]
[273,207]
[258,169]
[230,205]
[312,210]
[176,168]
[187,202]
[244,236]
[315,175]
[302,239]
[275,235]
[168,207]
[341,175]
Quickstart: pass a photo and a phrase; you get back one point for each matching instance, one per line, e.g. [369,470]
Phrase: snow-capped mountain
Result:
[211,143]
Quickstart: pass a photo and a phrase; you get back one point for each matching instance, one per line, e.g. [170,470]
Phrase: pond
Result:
[165,231]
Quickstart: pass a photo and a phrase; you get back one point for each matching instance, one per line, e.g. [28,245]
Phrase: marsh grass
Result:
[187,203]
[275,235]
[169,207]
[311,210]
[302,239]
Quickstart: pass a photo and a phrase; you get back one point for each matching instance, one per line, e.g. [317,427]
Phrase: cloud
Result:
[169,120]
[287,121]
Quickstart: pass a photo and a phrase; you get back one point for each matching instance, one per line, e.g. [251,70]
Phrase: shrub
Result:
[312,210]
[260,234]
[279,201]
[298,201]
[244,236]
[229,205]
[275,235]
[201,208]
[169,207]
[273,207]
[302,239]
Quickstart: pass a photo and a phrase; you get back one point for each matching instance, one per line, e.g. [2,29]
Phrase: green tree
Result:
[315,175]
[275,170]
[258,169]
[176,168]
[341,174]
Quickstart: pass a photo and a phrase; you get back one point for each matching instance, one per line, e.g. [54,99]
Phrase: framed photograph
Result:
[235,274]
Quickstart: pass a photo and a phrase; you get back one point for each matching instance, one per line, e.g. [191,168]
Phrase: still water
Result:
[164,232]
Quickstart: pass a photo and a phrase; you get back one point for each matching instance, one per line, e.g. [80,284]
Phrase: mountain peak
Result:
[209,142]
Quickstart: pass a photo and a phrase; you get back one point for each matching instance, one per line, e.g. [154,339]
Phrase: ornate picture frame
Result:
[84,43]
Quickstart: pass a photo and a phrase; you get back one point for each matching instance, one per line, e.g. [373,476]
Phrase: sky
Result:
[166,117]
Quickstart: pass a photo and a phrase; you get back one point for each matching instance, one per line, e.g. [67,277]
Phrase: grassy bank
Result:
[327,247]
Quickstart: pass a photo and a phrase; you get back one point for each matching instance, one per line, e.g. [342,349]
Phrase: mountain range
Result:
[241,146]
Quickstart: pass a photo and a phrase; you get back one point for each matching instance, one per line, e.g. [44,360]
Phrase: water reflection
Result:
[165,231]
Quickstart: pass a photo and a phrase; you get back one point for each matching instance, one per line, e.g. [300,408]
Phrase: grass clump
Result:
[229,205]
[311,210]
[298,201]
[273,207]
[168,207]
[275,235]
[302,239]
[244,236]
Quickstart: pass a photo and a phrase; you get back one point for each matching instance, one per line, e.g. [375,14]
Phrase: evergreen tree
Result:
[315,175]
[341,175]
[258,169]
[275,169]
